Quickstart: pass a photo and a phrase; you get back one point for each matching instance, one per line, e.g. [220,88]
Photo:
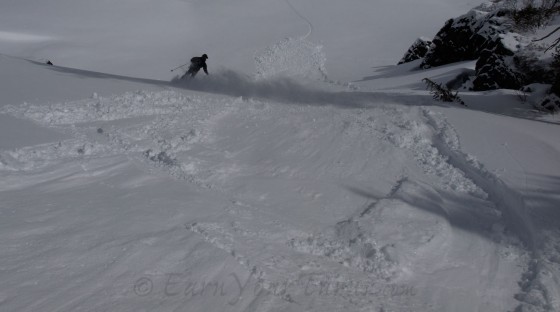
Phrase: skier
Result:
[196,64]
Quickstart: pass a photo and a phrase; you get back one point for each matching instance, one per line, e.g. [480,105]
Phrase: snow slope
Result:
[287,190]
[367,201]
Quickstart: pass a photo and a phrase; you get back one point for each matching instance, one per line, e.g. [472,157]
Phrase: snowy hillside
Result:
[145,38]
[295,177]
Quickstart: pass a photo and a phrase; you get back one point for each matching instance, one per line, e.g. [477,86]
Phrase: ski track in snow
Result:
[310,31]
[383,244]
[538,286]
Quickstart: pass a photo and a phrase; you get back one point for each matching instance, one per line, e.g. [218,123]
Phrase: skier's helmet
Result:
[205,56]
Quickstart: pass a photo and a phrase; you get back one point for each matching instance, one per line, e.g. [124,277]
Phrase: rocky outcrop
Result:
[417,50]
[481,35]
[493,72]
[510,63]
[484,35]
[495,67]
[504,59]
[465,38]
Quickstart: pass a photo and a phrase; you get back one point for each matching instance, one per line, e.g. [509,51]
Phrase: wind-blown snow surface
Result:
[161,198]
[286,190]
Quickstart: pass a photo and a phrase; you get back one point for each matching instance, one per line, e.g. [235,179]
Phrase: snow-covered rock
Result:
[483,35]
[417,50]
[495,70]
[465,37]
[505,58]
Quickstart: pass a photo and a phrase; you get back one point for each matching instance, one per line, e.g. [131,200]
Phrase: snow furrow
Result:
[534,294]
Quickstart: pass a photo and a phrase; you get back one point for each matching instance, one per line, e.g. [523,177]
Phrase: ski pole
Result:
[180,66]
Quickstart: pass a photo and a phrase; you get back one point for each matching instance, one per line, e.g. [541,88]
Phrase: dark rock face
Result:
[464,38]
[482,36]
[505,59]
[493,71]
[417,50]
[502,67]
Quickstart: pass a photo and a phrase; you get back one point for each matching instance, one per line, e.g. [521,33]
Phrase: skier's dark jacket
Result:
[199,62]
